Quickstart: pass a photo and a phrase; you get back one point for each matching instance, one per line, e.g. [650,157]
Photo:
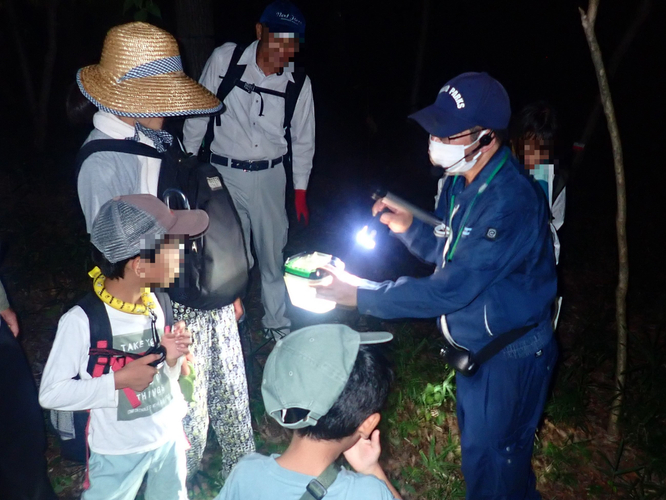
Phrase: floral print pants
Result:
[220,387]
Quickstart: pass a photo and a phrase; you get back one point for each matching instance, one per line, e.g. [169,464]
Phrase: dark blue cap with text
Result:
[466,101]
[283,16]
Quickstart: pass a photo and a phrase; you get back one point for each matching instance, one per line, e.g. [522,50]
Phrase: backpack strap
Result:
[233,74]
[100,334]
[559,183]
[116,145]
[293,91]
[165,303]
[102,355]
[317,488]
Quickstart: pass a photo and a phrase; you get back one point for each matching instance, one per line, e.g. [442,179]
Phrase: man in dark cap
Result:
[492,289]
[269,108]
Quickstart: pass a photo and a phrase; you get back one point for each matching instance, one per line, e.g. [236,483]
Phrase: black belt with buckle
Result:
[466,362]
[246,165]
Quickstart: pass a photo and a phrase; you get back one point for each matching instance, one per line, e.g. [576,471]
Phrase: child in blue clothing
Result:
[328,384]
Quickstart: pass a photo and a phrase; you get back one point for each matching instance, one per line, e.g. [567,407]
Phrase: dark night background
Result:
[361,57]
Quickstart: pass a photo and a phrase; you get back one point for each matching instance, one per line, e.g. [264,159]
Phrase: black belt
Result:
[246,165]
[466,362]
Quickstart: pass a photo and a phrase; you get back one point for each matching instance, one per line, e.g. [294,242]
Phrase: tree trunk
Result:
[196,33]
[588,20]
[618,55]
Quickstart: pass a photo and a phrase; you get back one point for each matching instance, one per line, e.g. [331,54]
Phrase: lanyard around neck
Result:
[481,189]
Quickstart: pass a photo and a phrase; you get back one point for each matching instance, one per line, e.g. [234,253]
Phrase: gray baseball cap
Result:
[309,369]
[124,222]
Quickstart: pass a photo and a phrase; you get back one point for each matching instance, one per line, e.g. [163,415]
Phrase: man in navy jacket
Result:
[495,273]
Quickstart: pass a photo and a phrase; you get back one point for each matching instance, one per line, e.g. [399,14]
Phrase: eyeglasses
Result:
[454,137]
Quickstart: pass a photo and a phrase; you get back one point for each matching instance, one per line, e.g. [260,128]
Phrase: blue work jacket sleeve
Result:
[420,241]
[498,244]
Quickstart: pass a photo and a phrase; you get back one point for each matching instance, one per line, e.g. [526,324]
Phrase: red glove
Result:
[301,206]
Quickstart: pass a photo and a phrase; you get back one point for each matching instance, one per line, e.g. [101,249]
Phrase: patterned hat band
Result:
[154,68]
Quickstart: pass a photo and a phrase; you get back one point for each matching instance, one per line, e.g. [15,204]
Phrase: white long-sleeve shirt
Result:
[114,428]
[243,134]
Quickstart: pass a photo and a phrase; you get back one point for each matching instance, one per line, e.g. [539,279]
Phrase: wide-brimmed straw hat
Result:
[140,75]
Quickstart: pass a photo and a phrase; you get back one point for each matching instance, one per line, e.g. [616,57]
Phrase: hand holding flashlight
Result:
[395,217]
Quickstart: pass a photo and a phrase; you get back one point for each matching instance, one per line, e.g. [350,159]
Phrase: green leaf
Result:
[127,5]
[141,15]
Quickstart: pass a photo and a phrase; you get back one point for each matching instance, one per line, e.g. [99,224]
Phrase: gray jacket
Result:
[105,175]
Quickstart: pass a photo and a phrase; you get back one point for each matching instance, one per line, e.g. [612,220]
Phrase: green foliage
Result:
[418,418]
[435,395]
[143,8]
[638,482]
[438,475]
[440,463]
[563,462]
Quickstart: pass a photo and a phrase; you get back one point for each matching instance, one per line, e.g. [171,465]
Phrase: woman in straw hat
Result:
[137,84]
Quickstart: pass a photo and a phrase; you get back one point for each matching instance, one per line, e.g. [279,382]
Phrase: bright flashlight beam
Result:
[366,238]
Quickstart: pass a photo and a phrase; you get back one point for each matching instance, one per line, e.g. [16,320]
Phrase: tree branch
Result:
[620,220]
[592,8]
[613,65]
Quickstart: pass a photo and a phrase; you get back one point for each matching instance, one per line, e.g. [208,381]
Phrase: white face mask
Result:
[451,157]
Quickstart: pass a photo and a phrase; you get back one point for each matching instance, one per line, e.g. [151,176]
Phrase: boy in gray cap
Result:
[136,407]
[328,383]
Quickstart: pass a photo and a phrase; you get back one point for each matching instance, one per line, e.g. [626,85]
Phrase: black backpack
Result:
[216,264]
[232,79]
[99,362]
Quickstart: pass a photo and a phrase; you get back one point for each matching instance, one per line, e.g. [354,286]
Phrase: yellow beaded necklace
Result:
[146,308]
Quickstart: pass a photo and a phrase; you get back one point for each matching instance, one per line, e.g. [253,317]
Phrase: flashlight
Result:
[418,213]
[366,237]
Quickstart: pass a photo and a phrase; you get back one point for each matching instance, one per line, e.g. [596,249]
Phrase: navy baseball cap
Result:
[466,101]
[282,16]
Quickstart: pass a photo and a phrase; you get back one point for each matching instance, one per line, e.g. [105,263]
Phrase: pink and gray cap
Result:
[125,222]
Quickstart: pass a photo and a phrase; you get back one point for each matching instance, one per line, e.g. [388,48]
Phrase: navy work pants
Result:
[498,410]
[22,436]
